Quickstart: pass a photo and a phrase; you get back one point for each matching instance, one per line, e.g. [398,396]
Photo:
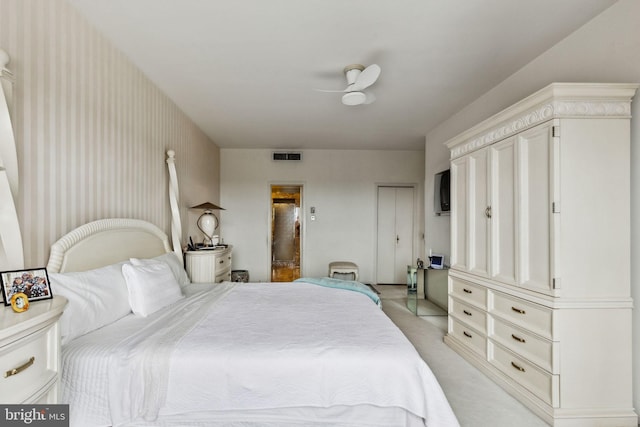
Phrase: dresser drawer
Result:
[531,347]
[468,336]
[223,263]
[224,277]
[539,382]
[530,316]
[470,293]
[468,314]
[29,360]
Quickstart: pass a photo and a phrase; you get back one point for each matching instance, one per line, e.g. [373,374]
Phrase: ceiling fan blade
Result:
[354,98]
[370,98]
[332,91]
[366,78]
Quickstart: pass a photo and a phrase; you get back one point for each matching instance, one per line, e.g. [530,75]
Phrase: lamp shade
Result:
[207,206]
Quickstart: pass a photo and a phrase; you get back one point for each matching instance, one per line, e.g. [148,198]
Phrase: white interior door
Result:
[395,233]
[404,233]
[386,235]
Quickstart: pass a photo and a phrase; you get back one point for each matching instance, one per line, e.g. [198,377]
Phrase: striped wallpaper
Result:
[92,131]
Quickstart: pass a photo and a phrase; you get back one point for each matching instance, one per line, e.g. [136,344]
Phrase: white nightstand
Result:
[209,266]
[30,352]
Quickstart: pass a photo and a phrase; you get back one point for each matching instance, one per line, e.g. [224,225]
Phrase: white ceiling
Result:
[245,70]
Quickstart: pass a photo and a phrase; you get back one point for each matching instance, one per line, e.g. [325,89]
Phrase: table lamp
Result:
[208,223]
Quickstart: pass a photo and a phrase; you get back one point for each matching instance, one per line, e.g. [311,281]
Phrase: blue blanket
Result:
[349,285]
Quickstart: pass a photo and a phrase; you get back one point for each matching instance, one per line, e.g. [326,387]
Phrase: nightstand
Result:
[427,291]
[30,352]
[209,265]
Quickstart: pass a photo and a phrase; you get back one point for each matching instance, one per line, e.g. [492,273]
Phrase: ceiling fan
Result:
[359,78]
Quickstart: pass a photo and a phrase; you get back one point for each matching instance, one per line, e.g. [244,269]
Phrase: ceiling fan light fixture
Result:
[359,78]
[352,72]
[354,98]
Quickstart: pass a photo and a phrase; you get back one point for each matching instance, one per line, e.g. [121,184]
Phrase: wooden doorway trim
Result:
[285,231]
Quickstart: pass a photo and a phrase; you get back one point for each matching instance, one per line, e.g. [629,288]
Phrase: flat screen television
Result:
[442,202]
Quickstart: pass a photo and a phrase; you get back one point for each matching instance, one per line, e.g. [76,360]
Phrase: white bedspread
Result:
[256,348]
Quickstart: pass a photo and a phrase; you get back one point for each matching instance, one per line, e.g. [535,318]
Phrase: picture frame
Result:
[34,283]
[436,261]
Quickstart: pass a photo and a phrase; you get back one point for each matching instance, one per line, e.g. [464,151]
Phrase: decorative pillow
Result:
[173,261]
[96,298]
[151,287]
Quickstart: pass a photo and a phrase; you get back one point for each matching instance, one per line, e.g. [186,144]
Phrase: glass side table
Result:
[427,291]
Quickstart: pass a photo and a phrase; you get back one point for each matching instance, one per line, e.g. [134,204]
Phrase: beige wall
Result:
[340,184]
[92,130]
[606,49]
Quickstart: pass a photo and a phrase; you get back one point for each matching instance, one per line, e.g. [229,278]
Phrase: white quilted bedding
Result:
[253,354]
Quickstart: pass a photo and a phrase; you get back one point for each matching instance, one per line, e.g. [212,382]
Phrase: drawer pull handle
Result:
[517,338]
[467,291]
[20,368]
[221,261]
[518,310]
[467,313]
[519,368]
[466,334]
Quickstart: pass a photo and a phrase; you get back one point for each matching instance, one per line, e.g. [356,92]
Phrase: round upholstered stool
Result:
[344,270]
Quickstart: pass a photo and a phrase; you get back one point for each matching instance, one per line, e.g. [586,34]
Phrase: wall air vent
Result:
[287,156]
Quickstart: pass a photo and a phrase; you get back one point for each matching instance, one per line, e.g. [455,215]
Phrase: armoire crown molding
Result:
[557,100]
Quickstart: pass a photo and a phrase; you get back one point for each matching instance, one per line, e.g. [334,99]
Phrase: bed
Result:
[282,354]
[142,346]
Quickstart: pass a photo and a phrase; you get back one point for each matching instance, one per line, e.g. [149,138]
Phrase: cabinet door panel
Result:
[459,231]
[479,221]
[503,211]
[469,213]
[535,148]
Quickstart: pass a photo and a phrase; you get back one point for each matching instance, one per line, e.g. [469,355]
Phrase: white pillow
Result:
[173,261]
[151,287]
[96,298]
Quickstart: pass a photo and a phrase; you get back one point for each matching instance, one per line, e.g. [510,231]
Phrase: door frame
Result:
[416,218]
[269,240]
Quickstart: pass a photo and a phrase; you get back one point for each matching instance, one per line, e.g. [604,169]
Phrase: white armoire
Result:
[539,285]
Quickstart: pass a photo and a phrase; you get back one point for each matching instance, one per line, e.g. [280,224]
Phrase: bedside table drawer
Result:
[224,277]
[223,262]
[27,366]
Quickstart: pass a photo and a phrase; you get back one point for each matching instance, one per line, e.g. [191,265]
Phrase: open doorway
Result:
[285,232]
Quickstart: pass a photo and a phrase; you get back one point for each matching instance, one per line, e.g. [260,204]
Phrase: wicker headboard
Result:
[104,242]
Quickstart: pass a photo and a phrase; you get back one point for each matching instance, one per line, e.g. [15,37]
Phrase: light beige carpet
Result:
[476,400]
